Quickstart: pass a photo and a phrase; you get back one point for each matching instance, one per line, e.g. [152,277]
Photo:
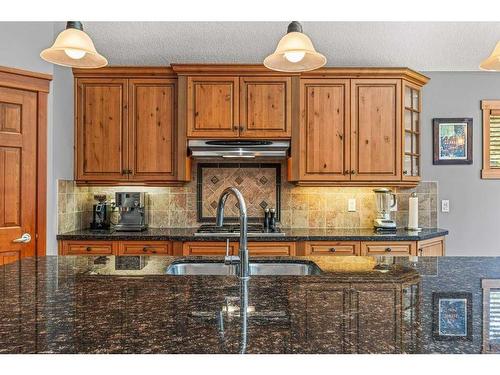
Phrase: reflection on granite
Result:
[114,305]
[291,234]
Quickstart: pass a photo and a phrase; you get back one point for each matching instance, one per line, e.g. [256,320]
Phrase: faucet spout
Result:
[243,252]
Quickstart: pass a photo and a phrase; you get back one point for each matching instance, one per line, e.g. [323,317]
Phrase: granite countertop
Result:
[291,234]
[89,304]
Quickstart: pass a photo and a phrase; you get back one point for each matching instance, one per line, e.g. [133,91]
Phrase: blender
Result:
[385,200]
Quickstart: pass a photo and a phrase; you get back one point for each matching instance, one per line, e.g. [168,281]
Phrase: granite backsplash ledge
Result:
[300,207]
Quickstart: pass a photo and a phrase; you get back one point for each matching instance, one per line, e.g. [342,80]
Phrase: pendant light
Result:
[74,48]
[493,61]
[295,52]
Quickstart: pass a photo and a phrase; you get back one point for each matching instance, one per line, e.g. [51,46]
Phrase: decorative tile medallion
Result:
[260,185]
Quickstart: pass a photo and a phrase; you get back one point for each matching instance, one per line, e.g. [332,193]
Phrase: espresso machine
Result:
[132,212]
[101,213]
[385,199]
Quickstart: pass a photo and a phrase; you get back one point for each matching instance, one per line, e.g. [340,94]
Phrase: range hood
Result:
[238,149]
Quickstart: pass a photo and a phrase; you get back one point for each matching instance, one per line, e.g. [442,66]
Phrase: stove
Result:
[233,230]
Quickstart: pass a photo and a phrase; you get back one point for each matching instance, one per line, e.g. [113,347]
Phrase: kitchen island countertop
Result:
[91,304]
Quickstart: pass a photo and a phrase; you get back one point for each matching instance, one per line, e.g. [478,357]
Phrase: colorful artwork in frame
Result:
[452,316]
[452,140]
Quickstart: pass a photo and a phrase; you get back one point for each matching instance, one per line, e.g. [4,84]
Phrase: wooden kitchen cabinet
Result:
[432,247]
[376,129]
[324,132]
[101,133]
[126,127]
[403,248]
[271,248]
[357,127]
[332,248]
[234,101]
[88,247]
[145,248]
[265,107]
[212,107]
[208,248]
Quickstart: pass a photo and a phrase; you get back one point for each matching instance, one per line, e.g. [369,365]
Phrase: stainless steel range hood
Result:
[238,149]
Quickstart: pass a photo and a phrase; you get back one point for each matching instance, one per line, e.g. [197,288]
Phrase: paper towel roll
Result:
[413,212]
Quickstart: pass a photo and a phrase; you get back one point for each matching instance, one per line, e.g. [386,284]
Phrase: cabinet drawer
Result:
[88,248]
[271,248]
[332,248]
[208,248]
[388,248]
[146,247]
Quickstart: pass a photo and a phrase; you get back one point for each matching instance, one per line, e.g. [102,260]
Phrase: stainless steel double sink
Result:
[257,268]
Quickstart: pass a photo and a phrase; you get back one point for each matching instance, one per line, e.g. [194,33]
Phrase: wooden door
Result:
[433,247]
[324,130]
[411,154]
[18,179]
[212,107]
[101,130]
[376,129]
[265,107]
[152,129]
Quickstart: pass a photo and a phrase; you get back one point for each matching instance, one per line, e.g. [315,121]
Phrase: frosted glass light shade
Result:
[493,61]
[74,48]
[290,48]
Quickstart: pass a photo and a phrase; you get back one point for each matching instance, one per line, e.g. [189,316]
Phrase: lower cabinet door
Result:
[431,248]
[88,248]
[208,248]
[332,248]
[388,248]
[146,247]
[271,248]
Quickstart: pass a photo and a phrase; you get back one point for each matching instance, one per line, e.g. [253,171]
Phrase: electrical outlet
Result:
[351,205]
[445,205]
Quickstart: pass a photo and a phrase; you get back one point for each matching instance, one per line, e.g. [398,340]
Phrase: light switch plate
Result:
[445,205]
[351,205]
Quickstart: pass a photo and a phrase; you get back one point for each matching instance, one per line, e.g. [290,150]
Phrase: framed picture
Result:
[452,316]
[452,140]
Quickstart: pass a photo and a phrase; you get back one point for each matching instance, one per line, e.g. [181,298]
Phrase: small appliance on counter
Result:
[101,213]
[132,212]
[385,200]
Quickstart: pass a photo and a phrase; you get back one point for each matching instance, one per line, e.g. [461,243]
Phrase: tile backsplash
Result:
[314,207]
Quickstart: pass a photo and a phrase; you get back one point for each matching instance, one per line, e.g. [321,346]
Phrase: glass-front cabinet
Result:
[411,135]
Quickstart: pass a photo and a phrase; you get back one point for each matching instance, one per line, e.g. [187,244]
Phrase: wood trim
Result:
[356,183]
[126,71]
[24,79]
[227,69]
[40,82]
[487,107]
[183,162]
[41,194]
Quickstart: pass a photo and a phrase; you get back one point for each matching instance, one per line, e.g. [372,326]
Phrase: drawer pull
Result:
[332,249]
[420,251]
[145,248]
[88,248]
[388,249]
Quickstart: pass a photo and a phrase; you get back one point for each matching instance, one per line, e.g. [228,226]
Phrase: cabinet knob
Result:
[353,172]
[145,248]
[388,249]
[332,249]
[242,129]
[124,171]
[88,248]
[405,172]
[346,172]
[421,251]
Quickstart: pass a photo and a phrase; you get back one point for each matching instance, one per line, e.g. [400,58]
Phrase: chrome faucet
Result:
[243,253]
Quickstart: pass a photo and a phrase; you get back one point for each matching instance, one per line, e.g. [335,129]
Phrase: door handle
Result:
[25,238]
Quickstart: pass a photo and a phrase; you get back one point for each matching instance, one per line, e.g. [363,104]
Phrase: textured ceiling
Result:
[424,46]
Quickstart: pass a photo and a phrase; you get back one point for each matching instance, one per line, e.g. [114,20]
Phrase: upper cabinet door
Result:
[324,129]
[212,107]
[152,129]
[101,129]
[265,107]
[412,107]
[376,129]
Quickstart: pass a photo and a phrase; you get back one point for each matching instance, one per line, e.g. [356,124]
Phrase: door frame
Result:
[40,84]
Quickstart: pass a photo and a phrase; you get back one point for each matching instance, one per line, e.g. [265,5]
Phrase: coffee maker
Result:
[132,212]
[101,214]
[385,199]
